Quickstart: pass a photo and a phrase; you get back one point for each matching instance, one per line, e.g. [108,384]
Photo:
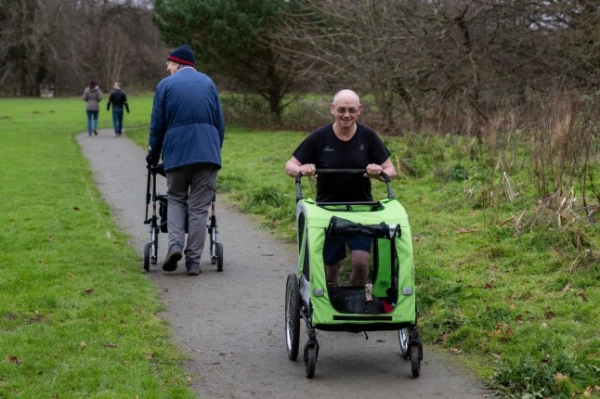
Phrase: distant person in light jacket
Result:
[92,95]
[118,99]
[187,127]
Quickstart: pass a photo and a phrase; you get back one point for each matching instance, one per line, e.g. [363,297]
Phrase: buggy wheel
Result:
[415,361]
[219,257]
[147,257]
[292,316]
[310,360]
[403,340]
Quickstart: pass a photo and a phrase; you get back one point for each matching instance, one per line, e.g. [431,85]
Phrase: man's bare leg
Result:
[360,268]
[332,272]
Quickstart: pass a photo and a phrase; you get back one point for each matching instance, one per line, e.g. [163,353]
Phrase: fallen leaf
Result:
[463,231]
[546,359]
[566,288]
[519,317]
[444,338]
[12,359]
[560,377]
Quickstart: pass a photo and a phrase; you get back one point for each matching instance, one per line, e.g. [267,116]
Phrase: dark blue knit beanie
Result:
[182,55]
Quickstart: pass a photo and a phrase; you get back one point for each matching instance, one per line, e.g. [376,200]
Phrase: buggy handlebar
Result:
[386,179]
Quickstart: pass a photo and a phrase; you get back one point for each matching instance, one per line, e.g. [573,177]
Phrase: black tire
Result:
[213,256]
[310,359]
[292,316]
[403,336]
[219,257]
[147,256]
[415,361]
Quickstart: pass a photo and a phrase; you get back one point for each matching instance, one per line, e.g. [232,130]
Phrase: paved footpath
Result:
[230,324]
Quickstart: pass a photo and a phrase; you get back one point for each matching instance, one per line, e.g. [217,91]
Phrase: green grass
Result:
[68,326]
[517,302]
[518,305]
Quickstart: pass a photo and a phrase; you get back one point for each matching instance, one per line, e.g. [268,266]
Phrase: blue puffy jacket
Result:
[187,120]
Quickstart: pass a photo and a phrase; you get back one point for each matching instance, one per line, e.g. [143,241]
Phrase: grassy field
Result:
[514,297]
[69,328]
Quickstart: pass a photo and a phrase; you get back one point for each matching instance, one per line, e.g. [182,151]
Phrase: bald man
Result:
[344,144]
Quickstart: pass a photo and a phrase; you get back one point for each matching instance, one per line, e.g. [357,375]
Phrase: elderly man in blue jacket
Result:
[187,127]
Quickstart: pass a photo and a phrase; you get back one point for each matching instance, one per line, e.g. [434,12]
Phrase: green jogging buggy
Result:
[387,302]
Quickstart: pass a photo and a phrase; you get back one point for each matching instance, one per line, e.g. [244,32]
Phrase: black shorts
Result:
[334,249]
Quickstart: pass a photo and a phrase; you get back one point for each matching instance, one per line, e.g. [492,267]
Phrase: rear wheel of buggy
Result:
[310,360]
[415,361]
[147,256]
[292,316]
[219,257]
[403,340]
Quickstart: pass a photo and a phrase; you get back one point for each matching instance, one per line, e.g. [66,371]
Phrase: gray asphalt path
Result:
[230,324]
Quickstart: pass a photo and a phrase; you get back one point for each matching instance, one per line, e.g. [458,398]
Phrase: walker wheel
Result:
[219,257]
[147,256]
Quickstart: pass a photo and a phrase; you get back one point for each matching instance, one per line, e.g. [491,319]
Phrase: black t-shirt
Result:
[326,151]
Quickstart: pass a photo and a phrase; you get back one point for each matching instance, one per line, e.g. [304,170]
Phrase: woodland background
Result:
[455,66]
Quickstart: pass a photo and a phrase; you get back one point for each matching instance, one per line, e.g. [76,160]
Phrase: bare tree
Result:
[456,59]
[68,42]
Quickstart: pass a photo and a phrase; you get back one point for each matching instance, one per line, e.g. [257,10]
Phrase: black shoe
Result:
[193,268]
[95,132]
[170,263]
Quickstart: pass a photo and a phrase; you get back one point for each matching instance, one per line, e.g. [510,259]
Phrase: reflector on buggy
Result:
[387,302]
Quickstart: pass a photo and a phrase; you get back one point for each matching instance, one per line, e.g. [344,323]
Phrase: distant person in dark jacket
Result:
[92,96]
[118,99]
[187,127]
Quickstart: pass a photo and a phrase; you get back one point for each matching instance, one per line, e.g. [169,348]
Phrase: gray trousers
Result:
[191,190]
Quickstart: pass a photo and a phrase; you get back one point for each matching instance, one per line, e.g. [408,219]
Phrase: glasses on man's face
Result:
[167,63]
[343,110]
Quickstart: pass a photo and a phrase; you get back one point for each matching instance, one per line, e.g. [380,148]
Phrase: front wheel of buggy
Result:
[403,340]
[147,257]
[219,257]
[310,359]
[292,316]
[415,361]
